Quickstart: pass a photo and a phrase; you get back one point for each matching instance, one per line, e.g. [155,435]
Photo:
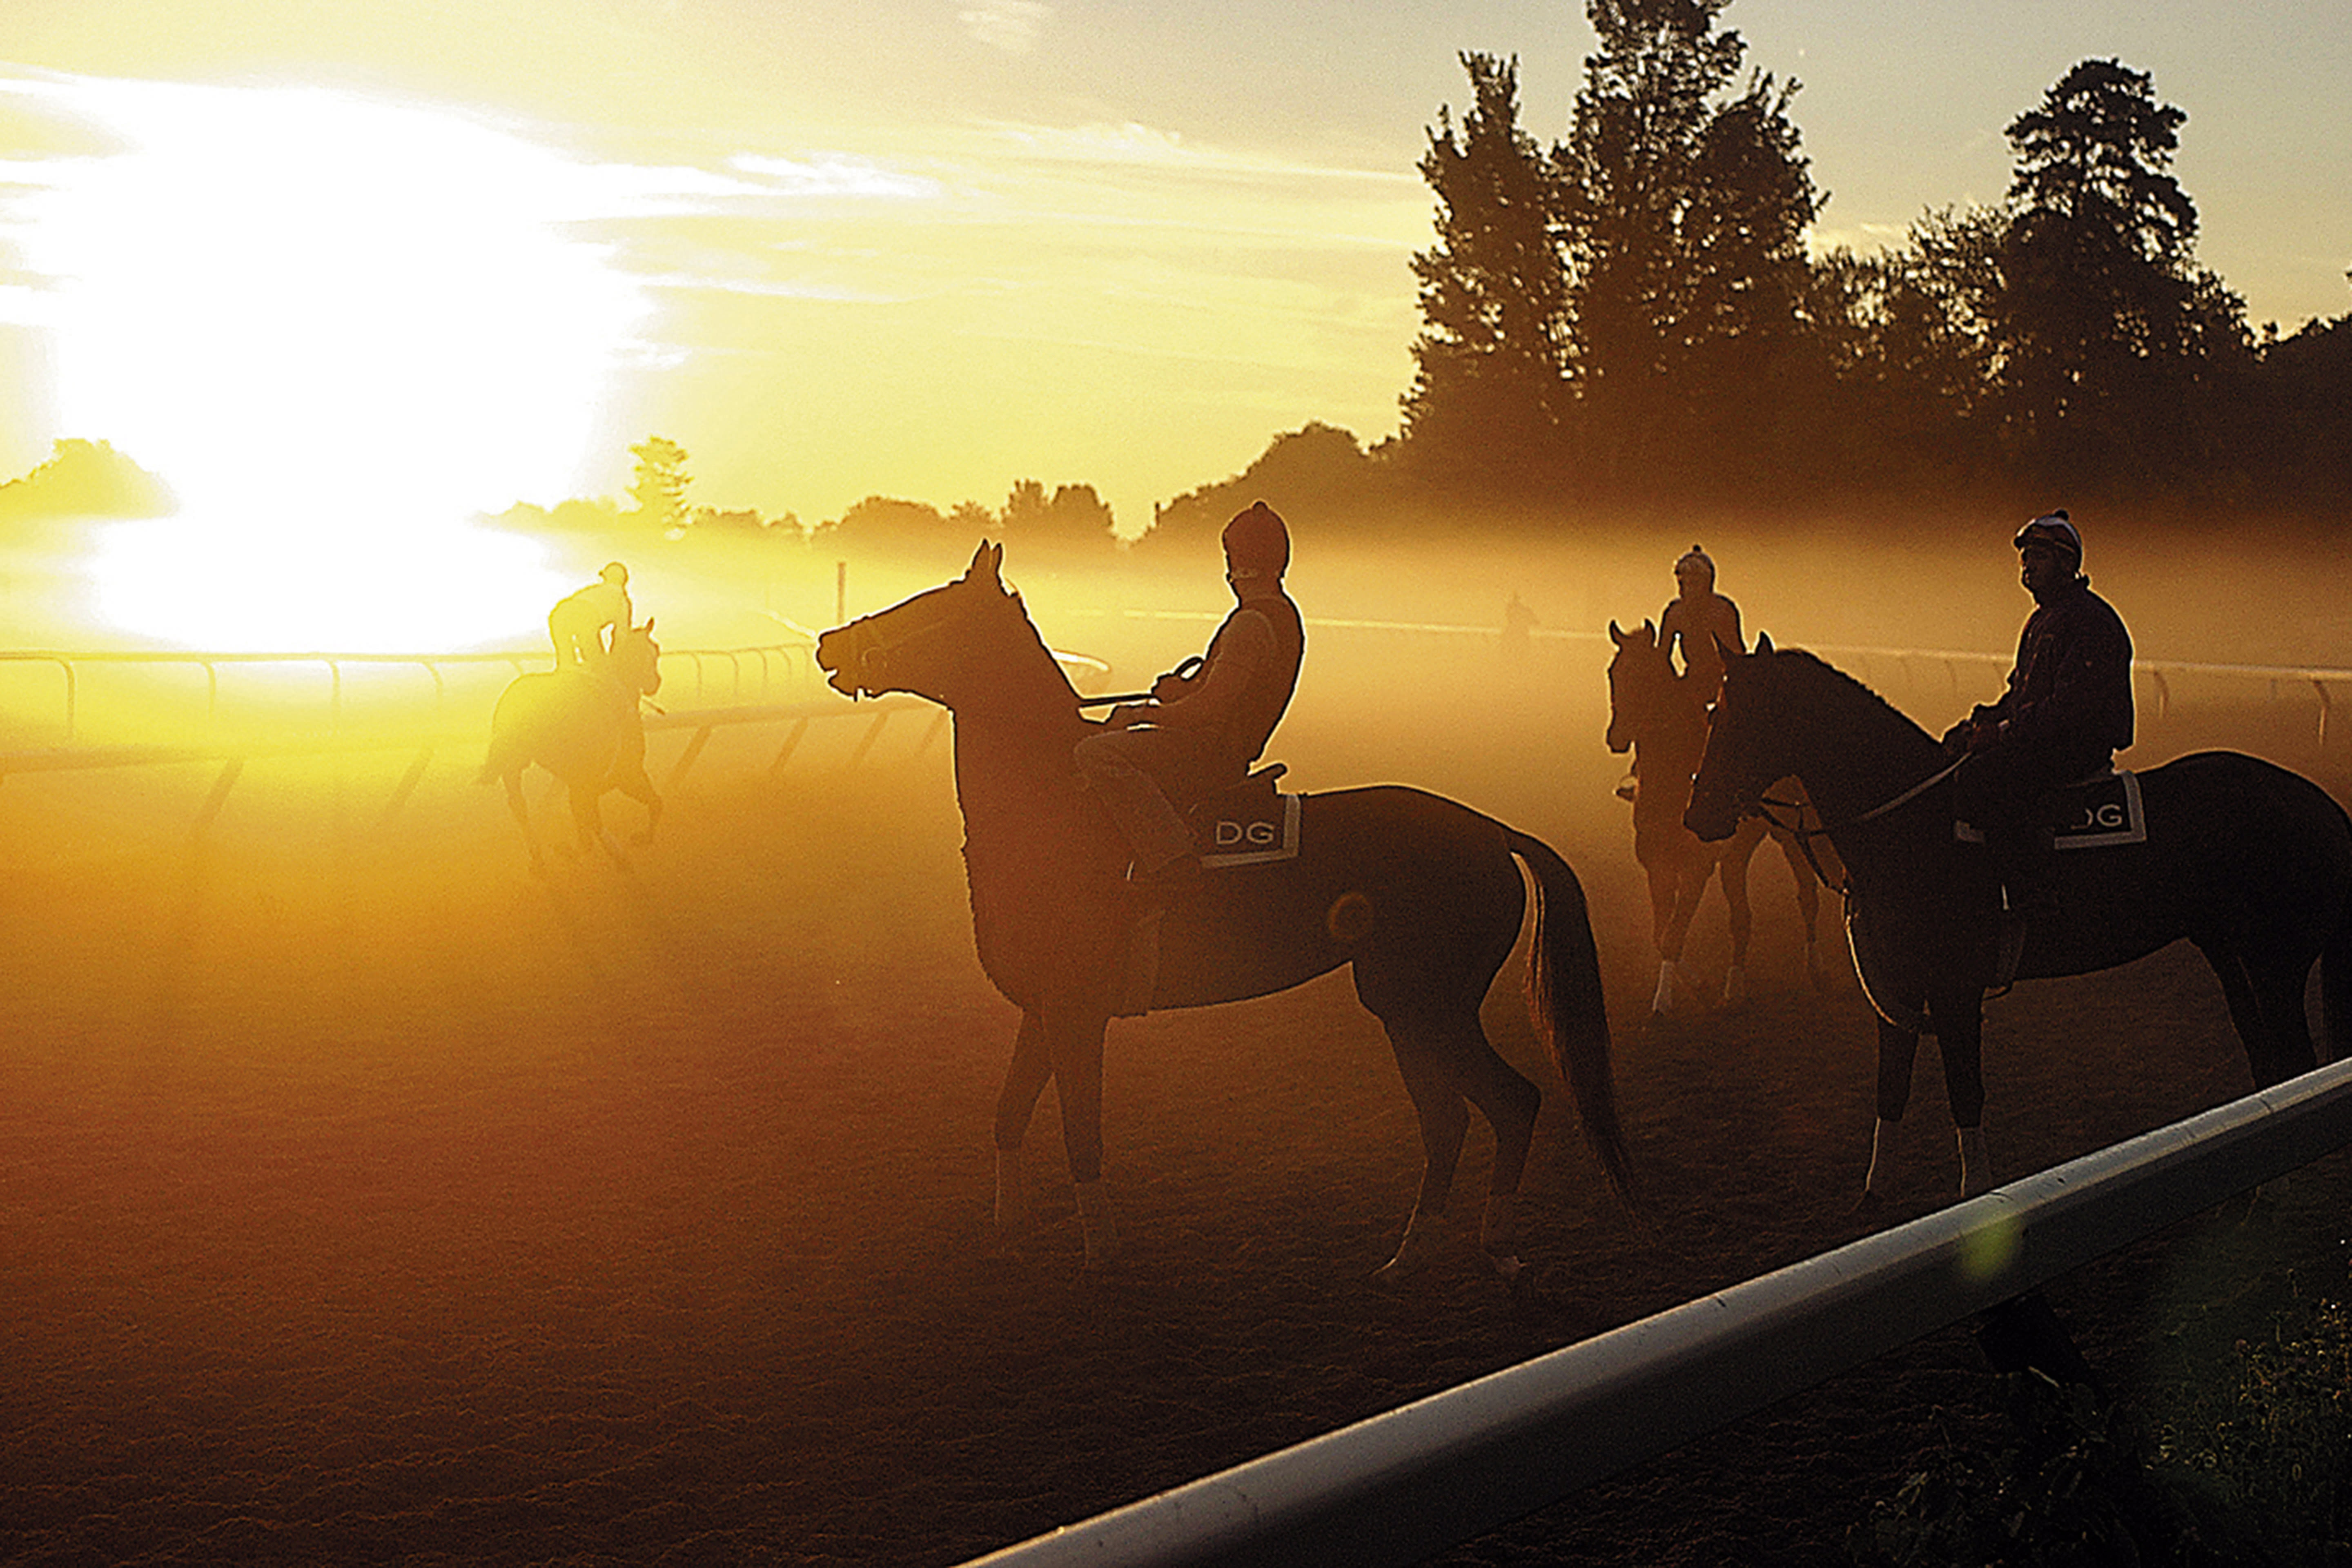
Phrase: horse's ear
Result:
[1763,642]
[1614,635]
[985,562]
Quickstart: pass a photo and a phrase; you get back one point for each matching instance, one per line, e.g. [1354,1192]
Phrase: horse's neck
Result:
[1666,757]
[1862,754]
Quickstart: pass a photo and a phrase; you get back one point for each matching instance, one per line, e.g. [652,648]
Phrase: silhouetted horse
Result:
[2247,860]
[581,724]
[1421,895]
[1656,713]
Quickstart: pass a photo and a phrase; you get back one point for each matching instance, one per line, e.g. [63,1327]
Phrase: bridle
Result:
[1764,806]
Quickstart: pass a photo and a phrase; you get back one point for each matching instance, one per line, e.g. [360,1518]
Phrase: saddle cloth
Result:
[1251,824]
[2095,813]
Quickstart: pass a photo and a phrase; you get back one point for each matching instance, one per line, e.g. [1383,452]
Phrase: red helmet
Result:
[1257,541]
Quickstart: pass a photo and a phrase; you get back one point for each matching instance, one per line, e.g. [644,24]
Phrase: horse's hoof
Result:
[1867,1207]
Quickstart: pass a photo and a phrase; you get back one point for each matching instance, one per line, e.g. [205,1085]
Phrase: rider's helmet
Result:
[1257,543]
[1695,564]
[615,573]
[2054,529]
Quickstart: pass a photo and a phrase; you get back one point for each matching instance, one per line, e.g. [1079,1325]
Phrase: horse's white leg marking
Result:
[1499,1234]
[1424,1238]
[1975,1165]
[1094,1219]
[1014,1218]
[1878,1136]
[1663,1001]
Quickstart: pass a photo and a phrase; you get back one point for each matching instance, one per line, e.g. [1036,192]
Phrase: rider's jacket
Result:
[1245,680]
[2072,687]
[1698,621]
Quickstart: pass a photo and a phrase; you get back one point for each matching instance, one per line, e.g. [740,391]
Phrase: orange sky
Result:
[466,252]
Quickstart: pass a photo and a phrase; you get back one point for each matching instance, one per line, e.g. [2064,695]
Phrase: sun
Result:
[338,327]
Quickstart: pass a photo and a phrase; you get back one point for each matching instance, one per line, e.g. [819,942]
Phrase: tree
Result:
[1073,521]
[2104,325]
[1485,398]
[661,481]
[1683,214]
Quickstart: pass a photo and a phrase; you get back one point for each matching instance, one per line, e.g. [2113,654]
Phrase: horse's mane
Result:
[1821,676]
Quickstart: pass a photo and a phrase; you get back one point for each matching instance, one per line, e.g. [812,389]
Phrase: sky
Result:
[397,256]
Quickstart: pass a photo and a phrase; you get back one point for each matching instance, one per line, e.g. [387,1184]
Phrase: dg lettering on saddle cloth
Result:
[2098,813]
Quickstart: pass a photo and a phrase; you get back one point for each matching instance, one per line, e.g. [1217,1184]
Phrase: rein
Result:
[1805,835]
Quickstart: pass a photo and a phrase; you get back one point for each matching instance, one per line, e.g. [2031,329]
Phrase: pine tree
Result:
[1484,409]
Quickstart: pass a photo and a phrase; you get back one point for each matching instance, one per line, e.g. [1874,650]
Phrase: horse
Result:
[1656,713]
[1419,895]
[581,724]
[2247,860]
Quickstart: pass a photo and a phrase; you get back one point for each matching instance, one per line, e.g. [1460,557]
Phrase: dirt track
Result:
[365,1200]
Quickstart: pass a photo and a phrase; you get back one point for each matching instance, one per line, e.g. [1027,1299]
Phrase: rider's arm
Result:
[1245,650]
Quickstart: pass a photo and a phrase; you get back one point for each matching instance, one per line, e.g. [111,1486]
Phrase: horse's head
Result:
[635,659]
[1644,688]
[1746,746]
[940,644]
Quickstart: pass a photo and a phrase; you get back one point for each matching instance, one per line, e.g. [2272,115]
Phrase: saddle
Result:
[2098,812]
[1246,824]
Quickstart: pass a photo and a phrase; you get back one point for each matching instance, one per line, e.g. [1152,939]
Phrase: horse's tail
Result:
[1564,995]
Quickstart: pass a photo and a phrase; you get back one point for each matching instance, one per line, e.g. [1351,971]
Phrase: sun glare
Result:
[337,326]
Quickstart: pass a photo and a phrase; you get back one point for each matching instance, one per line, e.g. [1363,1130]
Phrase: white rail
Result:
[1397,1488]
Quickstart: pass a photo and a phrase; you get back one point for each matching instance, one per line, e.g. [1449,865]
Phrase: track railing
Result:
[1428,1476]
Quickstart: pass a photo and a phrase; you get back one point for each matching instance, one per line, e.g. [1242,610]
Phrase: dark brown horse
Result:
[1656,713]
[583,725]
[2247,860]
[1421,896]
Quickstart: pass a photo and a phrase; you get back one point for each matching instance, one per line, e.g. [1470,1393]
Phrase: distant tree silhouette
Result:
[884,526]
[1320,476]
[1683,215]
[1073,521]
[86,479]
[660,485]
[1486,401]
[2104,325]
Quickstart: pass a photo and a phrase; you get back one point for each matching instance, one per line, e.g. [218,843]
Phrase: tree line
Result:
[1630,317]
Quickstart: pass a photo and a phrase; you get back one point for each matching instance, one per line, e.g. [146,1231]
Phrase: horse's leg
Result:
[1898,1049]
[634,782]
[1428,1064]
[588,819]
[2267,1007]
[1509,1102]
[521,811]
[1073,1043]
[1809,909]
[1683,878]
[1025,1077]
[1732,867]
[1957,1015]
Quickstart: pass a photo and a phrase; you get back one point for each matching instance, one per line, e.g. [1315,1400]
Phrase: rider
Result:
[578,624]
[2067,711]
[1203,728]
[1697,618]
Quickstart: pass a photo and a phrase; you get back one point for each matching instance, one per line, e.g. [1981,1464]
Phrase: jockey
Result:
[1202,731]
[2067,711]
[1697,616]
[578,624]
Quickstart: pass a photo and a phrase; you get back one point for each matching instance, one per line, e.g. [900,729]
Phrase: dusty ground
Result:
[365,1200]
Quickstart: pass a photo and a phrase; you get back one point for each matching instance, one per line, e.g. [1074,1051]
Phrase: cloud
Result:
[834,174]
[1011,26]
